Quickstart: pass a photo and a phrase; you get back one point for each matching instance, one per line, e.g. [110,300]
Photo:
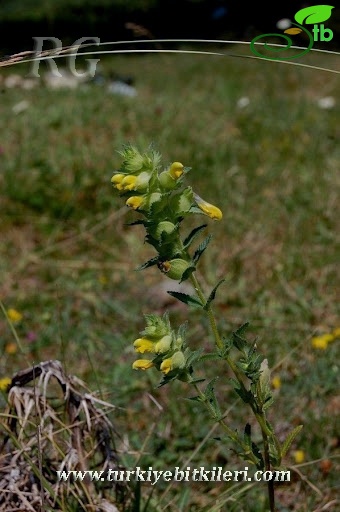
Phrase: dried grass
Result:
[52,422]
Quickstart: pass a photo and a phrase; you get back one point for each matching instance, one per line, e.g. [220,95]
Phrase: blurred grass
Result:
[67,258]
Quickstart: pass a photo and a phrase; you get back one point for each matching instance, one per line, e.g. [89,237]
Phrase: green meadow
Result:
[262,141]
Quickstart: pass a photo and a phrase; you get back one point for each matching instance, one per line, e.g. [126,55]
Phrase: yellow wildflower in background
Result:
[336,332]
[14,315]
[321,342]
[276,382]
[4,383]
[299,456]
[11,348]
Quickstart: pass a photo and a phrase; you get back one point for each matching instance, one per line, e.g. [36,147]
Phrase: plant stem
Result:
[270,483]
[260,416]
[210,314]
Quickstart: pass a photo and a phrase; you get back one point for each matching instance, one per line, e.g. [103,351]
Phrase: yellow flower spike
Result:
[135,202]
[144,345]
[176,170]
[4,383]
[321,342]
[14,315]
[142,364]
[209,209]
[299,456]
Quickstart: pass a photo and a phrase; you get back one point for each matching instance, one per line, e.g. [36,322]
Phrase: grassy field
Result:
[67,258]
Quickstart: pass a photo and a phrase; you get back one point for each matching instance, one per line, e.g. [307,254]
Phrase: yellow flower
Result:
[209,209]
[11,348]
[321,342]
[135,202]
[14,315]
[299,456]
[4,383]
[142,364]
[103,279]
[116,180]
[176,170]
[129,182]
[166,365]
[336,332]
[171,363]
[144,345]
[276,382]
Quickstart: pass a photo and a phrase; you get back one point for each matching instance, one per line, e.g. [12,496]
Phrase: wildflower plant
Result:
[163,201]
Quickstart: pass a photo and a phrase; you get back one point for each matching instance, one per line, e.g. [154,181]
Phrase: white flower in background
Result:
[326,103]
[243,102]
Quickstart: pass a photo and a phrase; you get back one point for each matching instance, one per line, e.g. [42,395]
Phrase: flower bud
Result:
[163,345]
[174,268]
[165,227]
[166,181]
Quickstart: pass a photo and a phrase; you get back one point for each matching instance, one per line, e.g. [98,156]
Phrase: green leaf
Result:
[238,340]
[187,273]
[148,263]
[211,398]
[194,356]
[187,299]
[314,14]
[201,248]
[247,434]
[188,240]
[290,438]
[211,356]
[256,451]
[213,294]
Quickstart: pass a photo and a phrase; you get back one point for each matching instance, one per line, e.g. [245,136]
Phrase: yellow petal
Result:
[299,456]
[176,170]
[209,209]
[4,383]
[129,182]
[14,315]
[11,348]
[321,342]
[166,365]
[142,364]
[117,178]
[276,382]
[135,202]
[144,345]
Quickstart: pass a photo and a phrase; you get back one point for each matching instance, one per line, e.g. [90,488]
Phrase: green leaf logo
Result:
[314,14]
